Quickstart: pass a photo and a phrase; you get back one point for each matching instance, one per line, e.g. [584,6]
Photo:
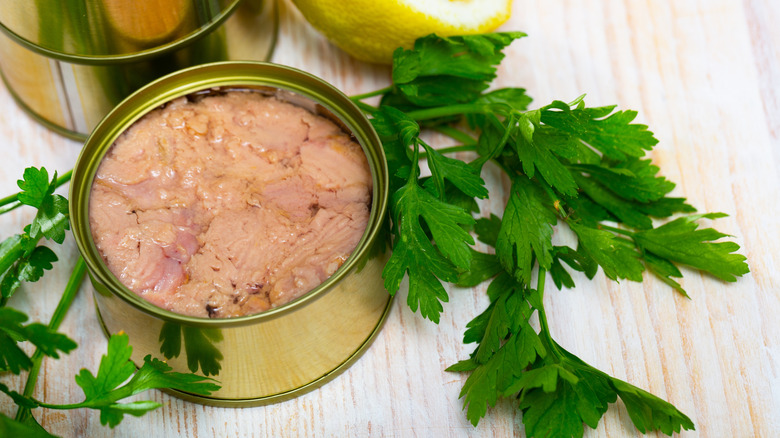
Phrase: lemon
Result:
[371,30]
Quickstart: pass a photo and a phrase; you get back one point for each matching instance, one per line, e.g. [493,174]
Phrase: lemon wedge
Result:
[371,30]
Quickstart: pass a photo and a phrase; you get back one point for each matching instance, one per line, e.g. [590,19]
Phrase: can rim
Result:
[203,77]
[141,55]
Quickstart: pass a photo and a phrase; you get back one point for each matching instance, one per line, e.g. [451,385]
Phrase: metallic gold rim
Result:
[128,57]
[284,396]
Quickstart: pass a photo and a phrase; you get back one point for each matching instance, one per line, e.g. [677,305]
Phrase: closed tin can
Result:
[279,353]
[69,62]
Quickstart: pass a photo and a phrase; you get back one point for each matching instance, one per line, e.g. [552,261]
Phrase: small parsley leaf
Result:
[35,186]
[103,391]
[12,428]
[680,241]
[536,156]
[414,253]
[526,230]
[616,256]
[610,132]
[460,174]
[12,331]
[440,71]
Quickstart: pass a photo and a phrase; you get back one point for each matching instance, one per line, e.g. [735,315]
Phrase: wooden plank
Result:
[704,75]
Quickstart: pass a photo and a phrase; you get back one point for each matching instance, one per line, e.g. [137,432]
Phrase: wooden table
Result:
[705,75]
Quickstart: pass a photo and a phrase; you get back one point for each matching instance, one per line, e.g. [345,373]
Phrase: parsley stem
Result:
[451,149]
[479,162]
[366,107]
[74,283]
[617,230]
[552,346]
[378,92]
[455,134]
[12,201]
[451,110]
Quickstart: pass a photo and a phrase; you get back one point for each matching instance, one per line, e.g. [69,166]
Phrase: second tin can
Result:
[68,62]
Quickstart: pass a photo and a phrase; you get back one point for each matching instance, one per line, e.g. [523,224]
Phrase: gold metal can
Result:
[69,62]
[279,353]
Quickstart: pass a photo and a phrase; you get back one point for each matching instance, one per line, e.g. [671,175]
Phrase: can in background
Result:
[69,62]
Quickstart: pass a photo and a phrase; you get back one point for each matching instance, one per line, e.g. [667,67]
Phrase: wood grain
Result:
[705,75]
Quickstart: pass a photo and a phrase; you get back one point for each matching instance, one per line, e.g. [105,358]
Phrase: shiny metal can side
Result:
[68,62]
[279,353]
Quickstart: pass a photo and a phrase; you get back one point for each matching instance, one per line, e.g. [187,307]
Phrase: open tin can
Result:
[264,357]
[67,63]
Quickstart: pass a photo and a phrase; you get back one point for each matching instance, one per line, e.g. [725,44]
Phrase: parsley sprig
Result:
[23,260]
[569,165]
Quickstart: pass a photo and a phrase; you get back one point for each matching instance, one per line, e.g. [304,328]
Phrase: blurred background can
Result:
[69,62]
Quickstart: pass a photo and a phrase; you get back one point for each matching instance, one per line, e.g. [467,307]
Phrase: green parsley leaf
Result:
[482,267]
[664,270]
[12,428]
[35,186]
[12,331]
[442,71]
[622,209]
[649,412]
[610,132]
[487,229]
[566,161]
[552,413]
[20,258]
[52,219]
[102,392]
[19,399]
[29,268]
[460,174]
[680,241]
[535,156]
[526,230]
[633,179]
[616,256]
[414,253]
[513,98]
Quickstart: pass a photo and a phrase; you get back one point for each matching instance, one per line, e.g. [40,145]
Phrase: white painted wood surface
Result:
[705,75]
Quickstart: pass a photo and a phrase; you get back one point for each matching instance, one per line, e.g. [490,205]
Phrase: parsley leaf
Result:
[449,70]
[414,253]
[12,428]
[631,179]
[460,174]
[496,363]
[28,268]
[102,392]
[568,165]
[535,155]
[611,132]
[12,331]
[619,207]
[20,258]
[35,186]
[616,256]
[526,230]
[680,241]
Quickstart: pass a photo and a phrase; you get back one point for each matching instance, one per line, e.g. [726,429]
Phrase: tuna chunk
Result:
[230,205]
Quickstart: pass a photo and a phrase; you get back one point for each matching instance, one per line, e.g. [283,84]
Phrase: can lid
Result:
[109,31]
